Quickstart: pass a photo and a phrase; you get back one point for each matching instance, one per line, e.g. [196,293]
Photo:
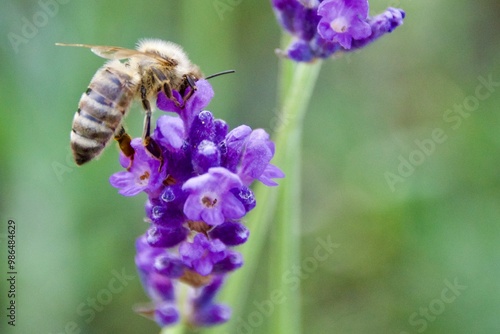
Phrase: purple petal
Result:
[300,51]
[343,20]
[235,141]
[169,265]
[258,152]
[203,266]
[166,104]
[170,132]
[208,293]
[232,208]
[212,315]
[166,314]
[124,160]
[197,102]
[232,261]
[206,156]
[193,207]
[221,129]
[210,195]
[159,236]
[224,179]
[246,196]
[271,172]
[231,234]
[212,216]
[146,255]
[198,183]
[202,97]
[126,182]
[161,288]
[381,25]
[217,246]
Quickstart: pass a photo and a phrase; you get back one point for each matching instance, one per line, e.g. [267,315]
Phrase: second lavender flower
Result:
[324,27]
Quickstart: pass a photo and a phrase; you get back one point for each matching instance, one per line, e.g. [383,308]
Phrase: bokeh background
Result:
[401,243]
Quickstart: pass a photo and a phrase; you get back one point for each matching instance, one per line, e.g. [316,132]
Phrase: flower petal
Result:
[170,132]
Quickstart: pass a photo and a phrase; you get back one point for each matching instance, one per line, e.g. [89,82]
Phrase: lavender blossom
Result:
[204,311]
[323,27]
[196,198]
[142,175]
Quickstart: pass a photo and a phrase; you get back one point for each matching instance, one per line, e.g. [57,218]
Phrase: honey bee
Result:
[140,74]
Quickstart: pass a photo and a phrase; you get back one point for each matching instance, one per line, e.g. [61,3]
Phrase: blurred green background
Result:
[400,243]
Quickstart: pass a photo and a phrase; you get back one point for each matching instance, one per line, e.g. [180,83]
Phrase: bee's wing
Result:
[116,52]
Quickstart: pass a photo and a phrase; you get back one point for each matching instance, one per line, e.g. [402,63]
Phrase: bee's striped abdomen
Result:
[101,110]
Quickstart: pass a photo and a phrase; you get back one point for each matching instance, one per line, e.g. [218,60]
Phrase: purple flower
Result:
[159,236]
[206,155]
[202,253]
[159,287]
[195,203]
[142,175]
[246,196]
[166,314]
[343,21]
[257,153]
[205,311]
[232,261]
[169,265]
[145,256]
[380,25]
[170,132]
[210,198]
[324,27]
[230,233]
[249,153]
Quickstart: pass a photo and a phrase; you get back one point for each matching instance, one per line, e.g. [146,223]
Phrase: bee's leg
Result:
[190,81]
[151,146]
[124,139]
[165,86]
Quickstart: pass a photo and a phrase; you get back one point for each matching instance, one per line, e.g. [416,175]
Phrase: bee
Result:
[140,74]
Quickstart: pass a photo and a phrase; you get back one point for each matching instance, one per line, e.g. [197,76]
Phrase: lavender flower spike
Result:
[324,27]
[195,202]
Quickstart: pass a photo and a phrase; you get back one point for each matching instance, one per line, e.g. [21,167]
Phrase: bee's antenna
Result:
[220,73]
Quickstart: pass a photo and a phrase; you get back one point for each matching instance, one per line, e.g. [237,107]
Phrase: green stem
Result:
[285,245]
[177,329]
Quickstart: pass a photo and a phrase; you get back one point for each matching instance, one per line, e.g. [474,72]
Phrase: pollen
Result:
[339,25]
[144,176]
[208,202]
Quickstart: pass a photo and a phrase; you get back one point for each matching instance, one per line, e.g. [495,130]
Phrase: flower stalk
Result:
[285,248]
